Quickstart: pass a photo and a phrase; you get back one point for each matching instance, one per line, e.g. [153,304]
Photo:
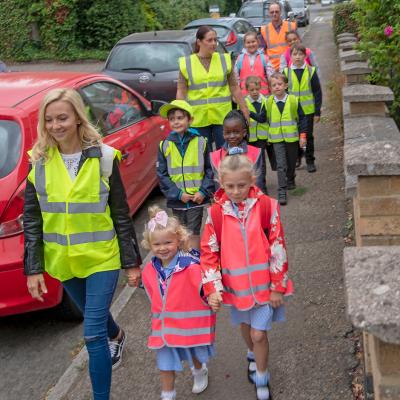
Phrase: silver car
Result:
[301,11]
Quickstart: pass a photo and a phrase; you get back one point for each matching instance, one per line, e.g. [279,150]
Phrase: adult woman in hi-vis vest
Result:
[77,226]
[207,82]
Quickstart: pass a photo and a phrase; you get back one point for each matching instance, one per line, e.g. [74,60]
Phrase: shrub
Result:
[344,18]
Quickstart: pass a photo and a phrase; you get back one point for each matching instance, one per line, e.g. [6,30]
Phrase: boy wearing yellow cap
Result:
[183,168]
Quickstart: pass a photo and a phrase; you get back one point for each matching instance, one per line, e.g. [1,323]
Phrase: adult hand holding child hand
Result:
[133,275]
[215,301]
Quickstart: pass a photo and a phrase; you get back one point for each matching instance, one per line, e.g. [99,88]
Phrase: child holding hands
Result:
[244,261]
[183,325]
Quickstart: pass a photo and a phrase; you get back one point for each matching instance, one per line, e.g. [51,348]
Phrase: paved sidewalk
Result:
[311,356]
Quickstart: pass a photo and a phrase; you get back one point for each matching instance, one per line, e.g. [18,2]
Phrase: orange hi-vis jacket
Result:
[180,318]
[258,69]
[275,42]
[250,257]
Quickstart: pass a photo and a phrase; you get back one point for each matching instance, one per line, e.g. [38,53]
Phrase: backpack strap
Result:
[264,63]
[239,63]
[106,160]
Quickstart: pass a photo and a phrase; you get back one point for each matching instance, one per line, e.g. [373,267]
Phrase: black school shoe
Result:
[282,199]
[116,348]
[311,168]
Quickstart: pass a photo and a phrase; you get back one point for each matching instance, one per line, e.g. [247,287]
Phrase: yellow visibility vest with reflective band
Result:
[78,232]
[257,131]
[302,90]
[187,173]
[283,127]
[208,92]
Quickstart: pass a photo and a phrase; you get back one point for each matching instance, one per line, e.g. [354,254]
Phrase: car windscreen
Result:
[222,31]
[10,146]
[251,10]
[297,3]
[150,56]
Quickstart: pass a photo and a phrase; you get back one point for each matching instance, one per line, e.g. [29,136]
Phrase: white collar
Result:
[304,66]
[282,100]
[259,100]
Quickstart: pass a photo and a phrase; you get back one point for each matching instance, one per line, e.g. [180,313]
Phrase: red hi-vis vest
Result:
[245,272]
[259,69]
[218,155]
[180,318]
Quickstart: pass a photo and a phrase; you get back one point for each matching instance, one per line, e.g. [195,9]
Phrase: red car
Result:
[127,121]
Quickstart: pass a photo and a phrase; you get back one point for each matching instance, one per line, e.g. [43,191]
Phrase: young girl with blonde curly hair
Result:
[183,324]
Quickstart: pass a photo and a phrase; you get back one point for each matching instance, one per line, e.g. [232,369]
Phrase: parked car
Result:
[230,31]
[301,11]
[148,61]
[136,133]
[256,12]
[326,2]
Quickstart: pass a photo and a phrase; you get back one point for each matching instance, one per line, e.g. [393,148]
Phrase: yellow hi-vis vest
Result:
[78,232]
[257,131]
[302,90]
[186,173]
[208,92]
[283,127]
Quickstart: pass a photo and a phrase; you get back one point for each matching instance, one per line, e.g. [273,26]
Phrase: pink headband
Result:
[161,218]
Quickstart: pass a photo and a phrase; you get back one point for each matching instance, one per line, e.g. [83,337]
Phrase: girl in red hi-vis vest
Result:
[183,324]
[244,261]
[235,131]
[253,62]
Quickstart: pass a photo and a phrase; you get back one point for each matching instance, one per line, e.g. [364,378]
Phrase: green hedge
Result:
[344,18]
[72,29]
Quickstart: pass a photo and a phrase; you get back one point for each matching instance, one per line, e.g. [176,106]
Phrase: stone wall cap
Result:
[351,55]
[345,34]
[372,158]
[347,39]
[370,129]
[373,290]
[347,45]
[367,93]
[355,68]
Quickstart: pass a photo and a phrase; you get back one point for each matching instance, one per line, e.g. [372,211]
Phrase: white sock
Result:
[196,371]
[168,395]
[250,355]
[261,376]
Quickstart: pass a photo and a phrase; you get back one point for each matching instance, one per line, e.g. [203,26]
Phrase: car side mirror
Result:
[290,15]
[156,105]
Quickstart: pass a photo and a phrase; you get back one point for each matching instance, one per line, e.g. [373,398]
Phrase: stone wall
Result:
[372,268]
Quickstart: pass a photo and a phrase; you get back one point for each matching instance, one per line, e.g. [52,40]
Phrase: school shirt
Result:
[315,86]
[262,117]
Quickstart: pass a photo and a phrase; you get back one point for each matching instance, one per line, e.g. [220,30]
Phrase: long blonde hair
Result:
[87,133]
[173,226]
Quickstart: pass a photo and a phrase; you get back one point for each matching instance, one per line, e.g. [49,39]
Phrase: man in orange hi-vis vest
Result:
[273,35]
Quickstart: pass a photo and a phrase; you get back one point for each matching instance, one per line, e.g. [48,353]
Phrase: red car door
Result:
[124,122]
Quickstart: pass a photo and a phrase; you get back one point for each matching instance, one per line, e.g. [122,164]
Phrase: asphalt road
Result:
[36,348]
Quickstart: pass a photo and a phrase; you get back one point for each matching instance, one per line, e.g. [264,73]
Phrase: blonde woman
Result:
[77,226]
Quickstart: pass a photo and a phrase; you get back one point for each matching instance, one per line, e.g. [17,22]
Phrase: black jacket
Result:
[169,188]
[119,210]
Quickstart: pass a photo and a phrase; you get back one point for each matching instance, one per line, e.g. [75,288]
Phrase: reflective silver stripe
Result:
[282,123]
[156,333]
[189,70]
[289,135]
[199,86]
[52,207]
[60,207]
[213,100]
[244,271]
[275,56]
[278,45]
[156,315]
[90,237]
[187,314]
[306,102]
[247,292]
[223,63]
[305,93]
[188,332]
[185,170]
[79,238]
[55,238]
[188,184]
